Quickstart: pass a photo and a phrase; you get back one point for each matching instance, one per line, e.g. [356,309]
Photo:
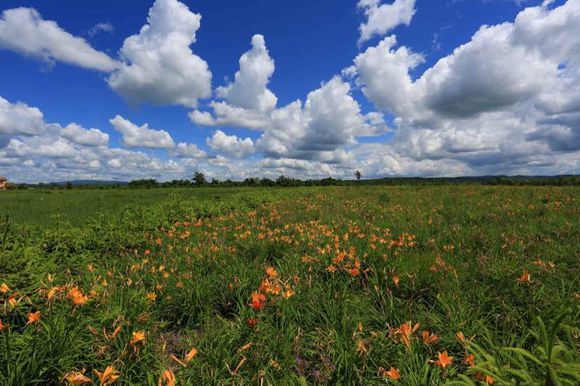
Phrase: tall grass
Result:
[304,286]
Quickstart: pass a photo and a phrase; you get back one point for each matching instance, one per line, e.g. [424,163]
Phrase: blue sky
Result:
[308,43]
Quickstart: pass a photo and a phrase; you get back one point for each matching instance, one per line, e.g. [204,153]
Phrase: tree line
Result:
[200,180]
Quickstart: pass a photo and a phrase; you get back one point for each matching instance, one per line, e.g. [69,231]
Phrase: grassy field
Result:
[455,285]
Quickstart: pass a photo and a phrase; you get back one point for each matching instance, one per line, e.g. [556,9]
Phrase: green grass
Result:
[44,207]
[182,264]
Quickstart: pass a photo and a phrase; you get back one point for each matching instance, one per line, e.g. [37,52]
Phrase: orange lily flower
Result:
[138,336]
[77,378]
[3,326]
[33,318]
[167,378]
[353,271]
[461,337]
[396,280]
[525,277]
[109,376]
[151,296]
[288,293]
[393,373]
[4,288]
[258,301]
[470,360]
[13,302]
[77,297]
[361,347]
[191,354]
[488,379]
[51,294]
[406,331]
[271,272]
[444,359]
[429,338]
[113,334]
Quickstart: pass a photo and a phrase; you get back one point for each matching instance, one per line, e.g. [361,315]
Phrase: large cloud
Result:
[19,118]
[231,145]
[82,136]
[158,64]
[382,18]
[506,101]
[141,136]
[247,101]
[23,30]
[329,119]
[250,87]
[189,150]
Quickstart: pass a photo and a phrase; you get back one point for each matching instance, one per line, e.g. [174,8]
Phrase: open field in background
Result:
[337,285]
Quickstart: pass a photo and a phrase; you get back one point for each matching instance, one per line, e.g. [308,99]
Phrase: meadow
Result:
[407,285]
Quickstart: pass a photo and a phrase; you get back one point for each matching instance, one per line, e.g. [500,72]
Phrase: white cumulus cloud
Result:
[82,136]
[23,30]
[19,118]
[141,136]
[382,18]
[250,87]
[231,145]
[159,66]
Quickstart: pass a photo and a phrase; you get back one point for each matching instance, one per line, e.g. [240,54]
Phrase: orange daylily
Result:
[444,359]
[353,271]
[525,277]
[288,293]
[429,338]
[488,379]
[393,373]
[13,302]
[167,378]
[191,354]
[461,337]
[4,288]
[396,280]
[470,360]
[151,296]
[361,347]
[405,330]
[258,301]
[271,272]
[51,294]
[109,376]
[34,318]
[137,337]
[77,297]
[113,334]
[3,326]
[251,322]
[77,378]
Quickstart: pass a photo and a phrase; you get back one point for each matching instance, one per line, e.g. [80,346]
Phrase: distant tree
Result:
[328,181]
[69,185]
[151,183]
[199,179]
[358,175]
[267,182]
[251,182]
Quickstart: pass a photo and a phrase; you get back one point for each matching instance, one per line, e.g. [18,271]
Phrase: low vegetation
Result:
[430,285]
